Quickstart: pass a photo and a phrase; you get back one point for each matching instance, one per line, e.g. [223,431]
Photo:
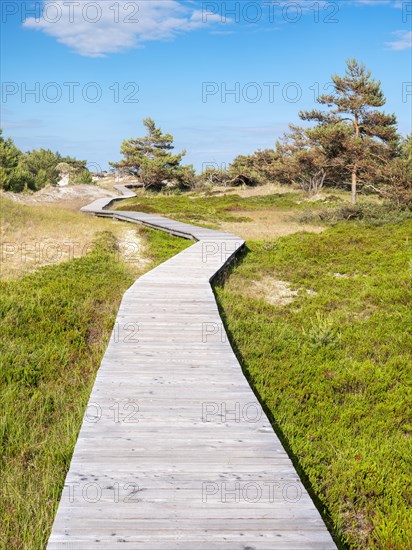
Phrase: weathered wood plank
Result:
[175,451]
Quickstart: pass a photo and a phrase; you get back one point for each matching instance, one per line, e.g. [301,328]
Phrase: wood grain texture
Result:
[175,451]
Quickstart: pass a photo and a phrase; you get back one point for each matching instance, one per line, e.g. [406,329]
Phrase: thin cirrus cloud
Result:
[393,3]
[21,124]
[402,42]
[95,29]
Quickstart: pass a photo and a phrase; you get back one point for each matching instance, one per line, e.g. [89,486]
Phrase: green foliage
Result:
[19,179]
[12,176]
[162,246]
[35,169]
[370,138]
[396,177]
[334,370]
[76,164]
[406,151]
[9,153]
[257,168]
[82,177]
[41,165]
[355,98]
[363,213]
[150,159]
[305,157]
[55,325]
[76,171]
[352,140]
[26,171]
[248,170]
[213,177]
[323,331]
[208,210]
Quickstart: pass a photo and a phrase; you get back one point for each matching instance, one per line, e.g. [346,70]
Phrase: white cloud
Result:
[95,29]
[403,42]
[392,3]
[371,2]
[21,124]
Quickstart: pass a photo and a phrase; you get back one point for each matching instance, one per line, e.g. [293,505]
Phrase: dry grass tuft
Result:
[269,288]
[36,235]
[72,197]
[267,224]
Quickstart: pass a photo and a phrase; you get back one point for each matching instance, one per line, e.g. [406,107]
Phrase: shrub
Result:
[363,213]
[82,177]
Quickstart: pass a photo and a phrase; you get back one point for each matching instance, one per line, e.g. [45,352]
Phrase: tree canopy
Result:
[35,169]
[352,142]
[366,135]
[151,160]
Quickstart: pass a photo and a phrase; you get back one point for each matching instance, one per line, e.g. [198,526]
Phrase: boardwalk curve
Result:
[175,451]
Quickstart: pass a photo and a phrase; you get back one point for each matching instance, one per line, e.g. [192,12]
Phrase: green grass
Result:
[208,210]
[334,370]
[55,325]
[162,246]
[365,212]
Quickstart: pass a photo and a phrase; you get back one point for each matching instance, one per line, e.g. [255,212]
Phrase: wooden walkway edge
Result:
[175,451]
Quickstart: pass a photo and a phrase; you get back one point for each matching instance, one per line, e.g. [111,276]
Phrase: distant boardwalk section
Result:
[175,451]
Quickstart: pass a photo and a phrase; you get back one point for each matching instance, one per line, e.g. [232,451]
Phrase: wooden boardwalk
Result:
[175,452]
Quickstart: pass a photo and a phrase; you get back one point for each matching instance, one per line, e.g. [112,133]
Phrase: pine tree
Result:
[150,159]
[41,164]
[10,157]
[371,135]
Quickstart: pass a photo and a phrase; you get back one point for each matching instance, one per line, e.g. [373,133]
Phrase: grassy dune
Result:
[244,212]
[55,323]
[34,236]
[333,367]
[321,323]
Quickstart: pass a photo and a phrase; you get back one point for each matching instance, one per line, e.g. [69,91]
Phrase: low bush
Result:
[362,213]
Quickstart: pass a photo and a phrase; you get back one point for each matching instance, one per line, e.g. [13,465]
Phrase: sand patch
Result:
[272,290]
[71,197]
[275,291]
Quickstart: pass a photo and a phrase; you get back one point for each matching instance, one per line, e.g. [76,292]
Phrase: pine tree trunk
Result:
[354,186]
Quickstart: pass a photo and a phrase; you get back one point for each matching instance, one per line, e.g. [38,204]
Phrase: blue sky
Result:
[177,61]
